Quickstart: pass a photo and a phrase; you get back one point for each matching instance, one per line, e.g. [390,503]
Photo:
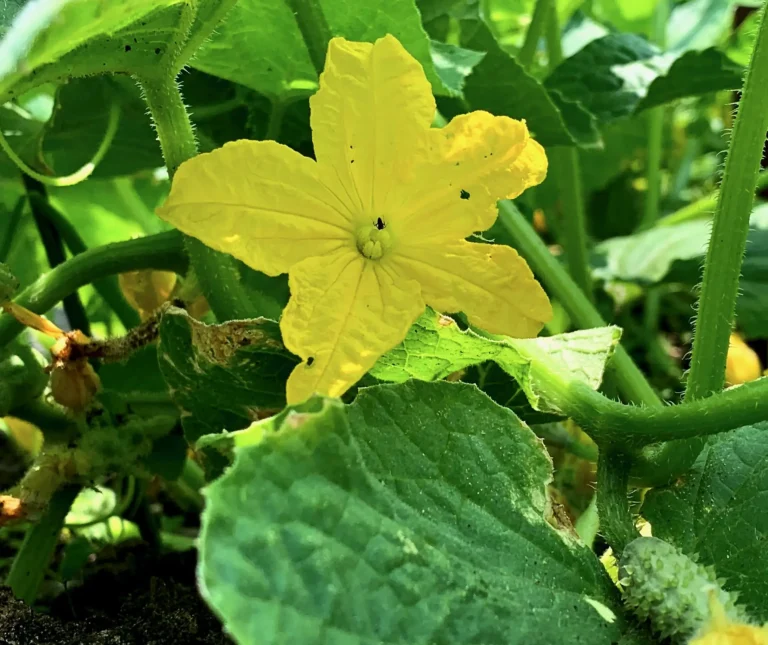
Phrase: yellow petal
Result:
[473,162]
[490,283]
[261,202]
[371,117]
[344,313]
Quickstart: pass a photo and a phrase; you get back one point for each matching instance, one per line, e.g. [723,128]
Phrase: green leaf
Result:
[719,511]
[259,44]
[501,86]
[435,347]
[49,40]
[453,65]
[622,74]
[417,515]
[699,24]
[222,376]
[635,16]
[675,253]
[647,257]
[693,74]
[79,121]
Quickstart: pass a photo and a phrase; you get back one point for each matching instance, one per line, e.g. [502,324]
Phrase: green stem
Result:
[631,427]
[722,268]
[630,380]
[573,225]
[54,250]
[655,120]
[108,288]
[216,272]
[11,227]
[275,123]
[535,31]
[186,489]
[566,169]
[164,251]
[79,175]
[616,522]
[314,29]
[200,30]
[31,561]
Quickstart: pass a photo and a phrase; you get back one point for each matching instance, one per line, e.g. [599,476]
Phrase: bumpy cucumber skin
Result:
[671,591]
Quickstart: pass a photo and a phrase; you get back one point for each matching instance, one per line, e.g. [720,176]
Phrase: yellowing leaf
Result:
[345,312]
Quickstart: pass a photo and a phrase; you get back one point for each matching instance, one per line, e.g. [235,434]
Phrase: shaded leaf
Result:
[453,65]
[719,511]
[501,86]
[621,74]
[417,515]
[259,44]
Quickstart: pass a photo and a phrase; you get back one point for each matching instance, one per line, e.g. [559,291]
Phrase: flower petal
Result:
[260,201]
[344,313]
[490,283]
[371,117]
[473,162]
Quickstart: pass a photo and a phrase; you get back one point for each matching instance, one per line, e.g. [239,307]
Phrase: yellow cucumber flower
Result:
[375,228]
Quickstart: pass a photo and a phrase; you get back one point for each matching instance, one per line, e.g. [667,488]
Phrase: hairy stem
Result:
[722,267]
[26,573]
[616,523]
[630,380]
[216,272]
[164,251]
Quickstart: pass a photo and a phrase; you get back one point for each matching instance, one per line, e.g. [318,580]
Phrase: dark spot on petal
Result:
[458,163]
[127,48]
[380,224]
[310,360]
[351,161]
[464,194]
[351,147]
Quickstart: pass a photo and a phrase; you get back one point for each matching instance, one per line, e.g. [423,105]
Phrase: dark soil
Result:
[130,598]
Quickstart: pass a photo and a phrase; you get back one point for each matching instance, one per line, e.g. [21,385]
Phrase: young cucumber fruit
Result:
[671,591]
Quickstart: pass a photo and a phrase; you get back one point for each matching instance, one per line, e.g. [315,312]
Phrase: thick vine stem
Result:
[164,251]
[632,384]
[722,268]
[26,574]
[616,523]
[217,273]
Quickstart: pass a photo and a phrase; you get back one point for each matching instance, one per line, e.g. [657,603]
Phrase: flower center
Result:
[374,240]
